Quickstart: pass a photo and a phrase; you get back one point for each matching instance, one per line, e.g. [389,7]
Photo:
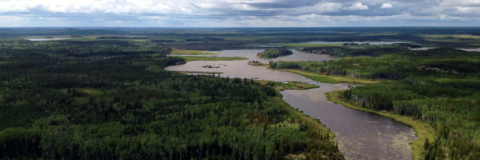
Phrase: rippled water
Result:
[361,135]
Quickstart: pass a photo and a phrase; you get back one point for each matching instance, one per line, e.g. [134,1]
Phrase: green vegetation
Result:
[57,103]
[121,37]
[424,130]
[258,63]
[199,58]
[353,49]
[280,86]
[312,45]
[330,79]
[274,53]
[333,79]
[191,52]
[440,87]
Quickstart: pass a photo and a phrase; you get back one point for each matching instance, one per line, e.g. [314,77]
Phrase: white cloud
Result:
[356,6]
[228,12]
[386,5]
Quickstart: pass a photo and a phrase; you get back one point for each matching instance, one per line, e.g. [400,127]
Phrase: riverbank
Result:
[191,52]
[320,77]
[330,79]
[199,58]
[422,130]
[313,123]
[280,86]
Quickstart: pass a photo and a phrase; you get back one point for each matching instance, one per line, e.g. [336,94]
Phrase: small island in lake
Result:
[274,53]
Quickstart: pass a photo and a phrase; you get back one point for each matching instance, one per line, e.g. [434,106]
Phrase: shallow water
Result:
[361,135]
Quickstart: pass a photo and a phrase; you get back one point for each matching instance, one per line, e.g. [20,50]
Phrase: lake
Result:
[361,135]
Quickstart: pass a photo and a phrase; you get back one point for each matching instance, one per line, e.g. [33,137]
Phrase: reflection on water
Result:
[361,135]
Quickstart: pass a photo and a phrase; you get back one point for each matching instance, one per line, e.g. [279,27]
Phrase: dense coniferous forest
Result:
[438,86]
[355,49]
[274,53]
[113,100]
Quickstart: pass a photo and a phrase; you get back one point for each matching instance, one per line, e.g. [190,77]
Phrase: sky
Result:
[238,13]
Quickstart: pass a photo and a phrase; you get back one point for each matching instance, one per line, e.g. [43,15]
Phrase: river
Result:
[361,135]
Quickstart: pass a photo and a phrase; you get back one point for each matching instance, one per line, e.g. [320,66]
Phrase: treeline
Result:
[355,49]
[80,49]
[204,39]
[118,37]
[441,88]
[161,40]
[128,107]
[274,53]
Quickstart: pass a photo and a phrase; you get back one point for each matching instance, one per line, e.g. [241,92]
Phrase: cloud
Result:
[386,5]
[238,13]
[356,6]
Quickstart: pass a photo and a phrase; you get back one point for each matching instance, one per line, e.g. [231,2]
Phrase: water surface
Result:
[471,49]
[361,135]
[46,39]
[357,42]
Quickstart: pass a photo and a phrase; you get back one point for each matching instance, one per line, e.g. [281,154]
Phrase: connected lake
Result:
[361,135]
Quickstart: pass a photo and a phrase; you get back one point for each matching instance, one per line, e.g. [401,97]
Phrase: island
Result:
[274,53]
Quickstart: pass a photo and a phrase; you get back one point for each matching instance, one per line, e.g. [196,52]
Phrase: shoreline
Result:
[422,129]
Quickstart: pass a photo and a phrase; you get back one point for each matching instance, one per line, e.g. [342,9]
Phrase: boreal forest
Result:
[121,93]
[113,100]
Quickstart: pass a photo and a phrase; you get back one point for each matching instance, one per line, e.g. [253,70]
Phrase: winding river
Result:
[360,135]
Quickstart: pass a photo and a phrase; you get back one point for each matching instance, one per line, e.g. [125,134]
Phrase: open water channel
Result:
[360,135]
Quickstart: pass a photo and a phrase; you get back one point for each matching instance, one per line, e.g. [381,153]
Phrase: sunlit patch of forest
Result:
[438,86]
[111,99]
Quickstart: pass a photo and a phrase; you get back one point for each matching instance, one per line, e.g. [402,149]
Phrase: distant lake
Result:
[359,42]
[464,49]
[45,39]
[422,48]
[471,49]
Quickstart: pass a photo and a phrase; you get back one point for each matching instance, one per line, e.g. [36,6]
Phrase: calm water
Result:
[359,42]
[252,55]
[464,49]
[46,39]
[361,135]
[422,48]
[471,49]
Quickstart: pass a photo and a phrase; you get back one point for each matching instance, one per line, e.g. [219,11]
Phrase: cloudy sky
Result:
[238,13]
